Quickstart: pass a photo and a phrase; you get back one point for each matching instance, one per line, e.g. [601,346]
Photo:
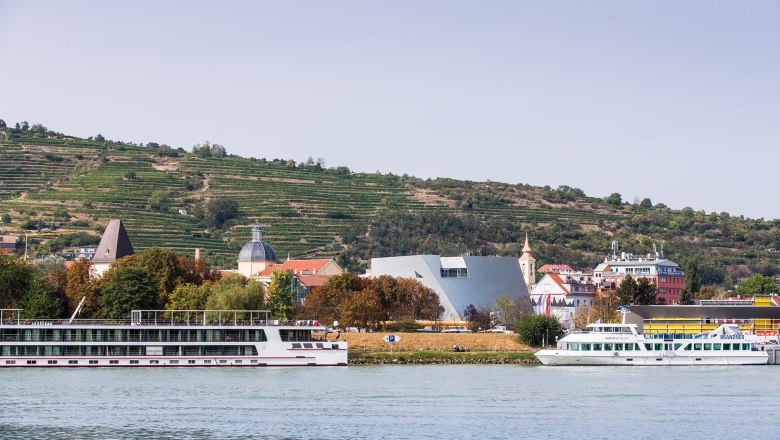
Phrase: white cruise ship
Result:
[157,338]
[620,344]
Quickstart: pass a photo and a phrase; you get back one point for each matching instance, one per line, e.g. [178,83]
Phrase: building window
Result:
[460,272]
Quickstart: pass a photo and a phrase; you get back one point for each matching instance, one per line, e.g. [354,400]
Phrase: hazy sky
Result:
[678,101]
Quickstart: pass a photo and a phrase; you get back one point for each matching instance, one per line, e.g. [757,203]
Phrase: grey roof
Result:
[114,244]
[257,249]
[488,279]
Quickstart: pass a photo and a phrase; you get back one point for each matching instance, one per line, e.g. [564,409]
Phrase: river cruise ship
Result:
[159,338]
[621,344]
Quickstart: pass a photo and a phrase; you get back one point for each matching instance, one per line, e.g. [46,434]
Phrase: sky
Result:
[674,101]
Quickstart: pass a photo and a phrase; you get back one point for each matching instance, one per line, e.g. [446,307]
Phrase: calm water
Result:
[396,402]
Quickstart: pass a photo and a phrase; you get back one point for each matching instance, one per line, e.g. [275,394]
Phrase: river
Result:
[398,402]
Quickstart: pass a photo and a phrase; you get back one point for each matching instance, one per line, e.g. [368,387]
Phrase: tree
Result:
[363,309]
[646,292]
[38,128]
[16,276]
[324,302]
[195,271]
[163,265]
[39,301]
[627,291]
[2,124]
[710,292]
[692,279]
[78,279]
[127,289]
[25,126]
[686,297]
[510,312]
[757,285]
[478,317]
[159,200]
[606,306]
[537,330]
[235,292]
[585,315]
[646,203]
[614,199]
[281,297]
[189,297]
[216,211]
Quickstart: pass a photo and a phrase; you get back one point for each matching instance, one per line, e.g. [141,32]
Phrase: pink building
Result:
[666,274]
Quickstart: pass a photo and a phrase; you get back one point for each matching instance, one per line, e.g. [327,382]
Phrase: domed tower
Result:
[528,265]
[256,255]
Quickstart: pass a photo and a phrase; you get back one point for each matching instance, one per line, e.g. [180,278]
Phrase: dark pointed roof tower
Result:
[114,244]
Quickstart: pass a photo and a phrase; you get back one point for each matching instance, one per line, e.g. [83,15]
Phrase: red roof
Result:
[297,266]
[554,268]
[559,282]
[313,280]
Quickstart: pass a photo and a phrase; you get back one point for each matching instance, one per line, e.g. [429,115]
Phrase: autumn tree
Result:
[479,318]
[194,271]
[79,276]
[324,302]
[363,310]
[585,315]
[606,306]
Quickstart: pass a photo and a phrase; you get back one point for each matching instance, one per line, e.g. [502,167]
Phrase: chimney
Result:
[197,254]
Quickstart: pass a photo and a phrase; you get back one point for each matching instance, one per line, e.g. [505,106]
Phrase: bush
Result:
[535,330]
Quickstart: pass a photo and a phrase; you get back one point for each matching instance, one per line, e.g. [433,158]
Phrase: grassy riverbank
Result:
[436,348]
[442,357]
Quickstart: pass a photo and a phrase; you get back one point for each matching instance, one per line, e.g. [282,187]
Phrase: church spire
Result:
[527,247]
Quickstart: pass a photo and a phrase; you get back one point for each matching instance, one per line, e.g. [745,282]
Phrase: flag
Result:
[547,306]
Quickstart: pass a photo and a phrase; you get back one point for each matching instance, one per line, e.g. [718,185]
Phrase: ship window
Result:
[688,347]
[574,346]
[746,346]
[707,347]
[10,362]
[727,347]
[191,361]
[677,346]
[585,347]
[113,362]
[697,346]
[648,346]
[52,362]
[134,361]
[93,362]
[619,347]
[609,347]
[154,362]
[174,362]
[716,346]
[253,361]
[597,346]
[32,362]
[222,361]
[308,345]
[239,361]
[659,347]
[629,347]
[207,361]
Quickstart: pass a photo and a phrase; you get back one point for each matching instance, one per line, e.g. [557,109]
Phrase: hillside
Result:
[67,185]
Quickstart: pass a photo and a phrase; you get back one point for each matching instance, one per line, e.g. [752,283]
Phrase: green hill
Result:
[57,186]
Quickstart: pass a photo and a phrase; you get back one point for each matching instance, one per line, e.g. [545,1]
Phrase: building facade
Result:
[666,274]
[459,281]
[565,292]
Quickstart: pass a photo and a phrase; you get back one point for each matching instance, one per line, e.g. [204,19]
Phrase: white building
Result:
[567,291]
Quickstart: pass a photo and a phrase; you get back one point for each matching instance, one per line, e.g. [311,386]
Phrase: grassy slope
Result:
[305,212]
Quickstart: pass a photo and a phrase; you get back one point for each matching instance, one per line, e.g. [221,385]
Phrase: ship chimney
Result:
[197,254]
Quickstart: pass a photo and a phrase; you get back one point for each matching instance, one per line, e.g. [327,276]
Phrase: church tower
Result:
[528,265]
[256,255]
